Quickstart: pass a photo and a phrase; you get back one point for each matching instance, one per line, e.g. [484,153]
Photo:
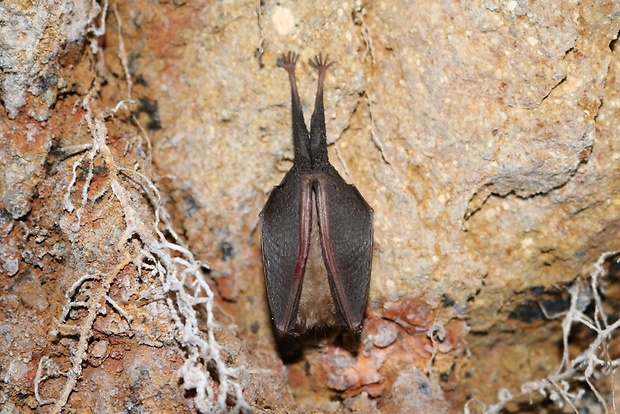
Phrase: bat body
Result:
[316,231]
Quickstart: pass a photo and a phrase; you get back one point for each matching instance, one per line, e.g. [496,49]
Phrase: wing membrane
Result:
[286,222]
[345,226]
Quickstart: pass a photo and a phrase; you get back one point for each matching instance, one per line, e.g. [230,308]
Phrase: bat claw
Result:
[287,60]
[319,63]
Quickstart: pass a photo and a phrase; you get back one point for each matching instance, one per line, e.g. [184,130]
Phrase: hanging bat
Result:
[316,230]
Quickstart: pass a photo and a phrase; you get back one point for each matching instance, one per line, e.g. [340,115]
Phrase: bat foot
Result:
[288,60]
[321,64]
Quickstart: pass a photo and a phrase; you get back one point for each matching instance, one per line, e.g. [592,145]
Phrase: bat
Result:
[316,230]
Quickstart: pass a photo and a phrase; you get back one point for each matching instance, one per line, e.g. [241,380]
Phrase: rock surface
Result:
[484,136]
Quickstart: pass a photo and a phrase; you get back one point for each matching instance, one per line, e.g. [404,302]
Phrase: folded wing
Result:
[345,225]
[286,222]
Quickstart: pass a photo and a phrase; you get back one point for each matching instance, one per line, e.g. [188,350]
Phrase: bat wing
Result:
[286,223]
[345,226]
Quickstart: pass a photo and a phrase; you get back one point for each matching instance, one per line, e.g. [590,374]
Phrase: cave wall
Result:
[482,134]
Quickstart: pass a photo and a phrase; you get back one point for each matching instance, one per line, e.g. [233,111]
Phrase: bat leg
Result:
[300,131]
[318,134]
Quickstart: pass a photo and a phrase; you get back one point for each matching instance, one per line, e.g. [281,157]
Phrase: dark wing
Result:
[345,226]
[286,222]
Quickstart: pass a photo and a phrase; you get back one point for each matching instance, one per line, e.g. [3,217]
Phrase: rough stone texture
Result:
[483,133]
[34,36]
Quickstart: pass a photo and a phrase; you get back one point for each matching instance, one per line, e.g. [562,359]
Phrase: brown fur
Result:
[316,306]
